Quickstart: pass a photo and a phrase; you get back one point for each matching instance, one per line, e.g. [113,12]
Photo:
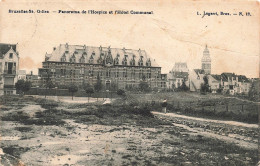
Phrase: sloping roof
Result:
[78,50]
[216,77]
[4,48]
[199,71]
[242,78]
[226,76]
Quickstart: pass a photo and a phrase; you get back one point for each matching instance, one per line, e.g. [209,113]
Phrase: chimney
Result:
[31,73]
[54,48]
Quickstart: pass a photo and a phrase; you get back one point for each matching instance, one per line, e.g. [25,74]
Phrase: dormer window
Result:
[91,59]
[93,53]
[72,60]
[116,61]
[82,59]
[148,63]
[132,62]
[140,63]
[63,58]
[100,60]
[124,62]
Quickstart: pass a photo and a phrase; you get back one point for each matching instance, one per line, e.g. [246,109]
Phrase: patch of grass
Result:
[15,116]
[15,150]
[23,129]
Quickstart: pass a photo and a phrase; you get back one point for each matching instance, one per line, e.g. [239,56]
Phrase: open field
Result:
[36,131]
[208,106]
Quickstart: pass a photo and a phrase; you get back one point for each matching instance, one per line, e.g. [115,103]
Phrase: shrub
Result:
[120,92]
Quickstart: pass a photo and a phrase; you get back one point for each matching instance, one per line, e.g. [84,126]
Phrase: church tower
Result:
[206,61]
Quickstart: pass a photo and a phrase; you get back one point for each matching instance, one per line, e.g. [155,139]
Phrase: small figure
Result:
[164,105]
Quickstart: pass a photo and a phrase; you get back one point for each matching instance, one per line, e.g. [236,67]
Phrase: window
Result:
[108,73]
[11,56]
[148,75]
[125,74]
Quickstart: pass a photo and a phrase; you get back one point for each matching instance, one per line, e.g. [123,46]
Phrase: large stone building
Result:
[120,68]
[9,63]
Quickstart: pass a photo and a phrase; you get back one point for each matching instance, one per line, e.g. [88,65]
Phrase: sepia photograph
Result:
[118,83]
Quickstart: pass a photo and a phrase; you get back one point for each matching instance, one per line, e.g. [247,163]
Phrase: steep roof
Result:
[199,71]
[216,77]
[4,48]
[242,78]
[67,51]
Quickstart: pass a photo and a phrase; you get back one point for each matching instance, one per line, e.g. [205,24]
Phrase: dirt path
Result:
[233,123]
[241,134]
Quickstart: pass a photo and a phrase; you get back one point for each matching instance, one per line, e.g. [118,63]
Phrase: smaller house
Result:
[21,74]
[176,79]
[214,82]
[235,84]
[34,79]
[196,79]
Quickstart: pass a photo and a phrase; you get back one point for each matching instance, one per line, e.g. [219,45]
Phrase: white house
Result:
[196,79]
[9,64]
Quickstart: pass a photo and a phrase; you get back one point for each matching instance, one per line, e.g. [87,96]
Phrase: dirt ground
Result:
[45,132]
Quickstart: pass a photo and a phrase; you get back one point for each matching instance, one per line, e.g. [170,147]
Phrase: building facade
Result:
[120,68]
[34,79]
[9,64]
[178,75]
[21,74]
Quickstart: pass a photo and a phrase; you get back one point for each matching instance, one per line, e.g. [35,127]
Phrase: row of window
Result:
[116,61]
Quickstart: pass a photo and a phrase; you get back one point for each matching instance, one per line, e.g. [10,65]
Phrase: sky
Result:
[173,33]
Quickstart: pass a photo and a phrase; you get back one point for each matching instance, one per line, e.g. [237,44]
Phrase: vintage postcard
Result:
[129,82]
